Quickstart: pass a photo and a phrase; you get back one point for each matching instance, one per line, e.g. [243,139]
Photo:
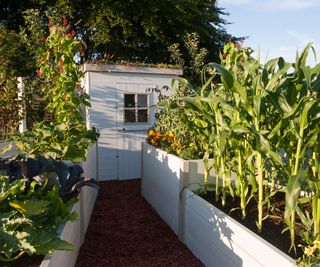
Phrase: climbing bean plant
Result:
[63,133]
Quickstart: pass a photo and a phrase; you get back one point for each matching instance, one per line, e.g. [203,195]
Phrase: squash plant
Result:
[30,216]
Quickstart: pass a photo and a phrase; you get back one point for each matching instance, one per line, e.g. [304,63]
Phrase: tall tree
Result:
[143,29]
[135,30]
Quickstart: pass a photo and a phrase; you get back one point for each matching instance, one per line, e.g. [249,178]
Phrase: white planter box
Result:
[164,176]
[74,232]
[12,152]
[218,240]
[70,232]
[88,195]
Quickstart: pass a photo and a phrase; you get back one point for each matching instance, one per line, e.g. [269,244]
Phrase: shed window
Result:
[136,108]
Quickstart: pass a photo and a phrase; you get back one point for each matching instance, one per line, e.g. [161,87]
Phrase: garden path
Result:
[125,231]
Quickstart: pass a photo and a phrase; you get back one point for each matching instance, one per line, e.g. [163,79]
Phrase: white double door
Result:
[127,115]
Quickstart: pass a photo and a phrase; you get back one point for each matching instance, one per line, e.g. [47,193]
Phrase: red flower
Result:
[82,53]
[43,39]
[61,69]
[65,22]
[69,35]
[50,24]
[73,33]
[39,74]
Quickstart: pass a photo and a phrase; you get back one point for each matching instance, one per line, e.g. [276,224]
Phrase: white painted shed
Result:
[122,110]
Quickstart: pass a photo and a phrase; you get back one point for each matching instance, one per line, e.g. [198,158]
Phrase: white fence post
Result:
[23,122]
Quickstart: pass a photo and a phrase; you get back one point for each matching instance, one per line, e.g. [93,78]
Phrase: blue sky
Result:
[278,27]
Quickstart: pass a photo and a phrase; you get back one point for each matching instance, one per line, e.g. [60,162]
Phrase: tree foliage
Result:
[138,30]
[13,63]
[113,31]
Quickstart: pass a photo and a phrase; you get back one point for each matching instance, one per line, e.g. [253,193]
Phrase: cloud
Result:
[273,5]
[302,38]
[297,35]
[288,52]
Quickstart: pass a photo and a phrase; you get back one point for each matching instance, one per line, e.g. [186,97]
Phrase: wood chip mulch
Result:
[125,231]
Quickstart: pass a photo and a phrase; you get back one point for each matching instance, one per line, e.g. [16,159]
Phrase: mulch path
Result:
[125,231]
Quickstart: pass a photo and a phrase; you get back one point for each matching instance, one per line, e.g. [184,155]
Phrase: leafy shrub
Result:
[12,58]
[10,106]
[30,216]
[172,133]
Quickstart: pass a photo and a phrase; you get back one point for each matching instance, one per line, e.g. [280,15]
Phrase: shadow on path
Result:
[125,231]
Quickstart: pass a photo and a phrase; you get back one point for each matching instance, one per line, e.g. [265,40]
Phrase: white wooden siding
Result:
[119,152]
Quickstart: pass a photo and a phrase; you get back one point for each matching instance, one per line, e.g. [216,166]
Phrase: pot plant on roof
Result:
[61,135]
[263,124]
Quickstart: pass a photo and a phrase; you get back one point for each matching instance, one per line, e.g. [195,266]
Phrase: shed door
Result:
[134,118]
[103,115]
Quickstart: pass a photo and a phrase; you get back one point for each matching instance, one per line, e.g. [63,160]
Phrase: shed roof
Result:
[130,69]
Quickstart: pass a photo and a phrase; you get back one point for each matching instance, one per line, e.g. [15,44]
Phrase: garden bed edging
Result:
[218,240]
[164,176]
[74,232]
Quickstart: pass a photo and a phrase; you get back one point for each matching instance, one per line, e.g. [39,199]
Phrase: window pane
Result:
[129,101]
[142,101]
[129,116]
[143,115]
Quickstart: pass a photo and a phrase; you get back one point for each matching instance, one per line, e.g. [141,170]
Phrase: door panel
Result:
[103,116]
[131,135]
[108,156]
[130,154]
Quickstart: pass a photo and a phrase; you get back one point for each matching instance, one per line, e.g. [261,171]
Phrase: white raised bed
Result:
[88,195]
[70,232]
[164,176]
[218,240]
[74,232]
[12,152]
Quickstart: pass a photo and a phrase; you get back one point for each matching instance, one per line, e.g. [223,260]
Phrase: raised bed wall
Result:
[74,232]
[70,232]
[164,176]
[218,240]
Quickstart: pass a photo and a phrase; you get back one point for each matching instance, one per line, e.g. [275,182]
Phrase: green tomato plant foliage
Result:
[170,117]
[30,218]
[62,134]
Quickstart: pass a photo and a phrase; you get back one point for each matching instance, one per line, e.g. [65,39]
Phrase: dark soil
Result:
[25,261]
[272,226]
[125,231]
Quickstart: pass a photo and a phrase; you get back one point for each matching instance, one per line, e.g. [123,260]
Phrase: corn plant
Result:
[262,123]
[250,85]
[197,117]
[299,104]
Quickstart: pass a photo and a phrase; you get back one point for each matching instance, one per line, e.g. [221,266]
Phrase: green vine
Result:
[62,134]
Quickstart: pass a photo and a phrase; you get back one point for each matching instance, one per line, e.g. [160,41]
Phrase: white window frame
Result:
[136,108]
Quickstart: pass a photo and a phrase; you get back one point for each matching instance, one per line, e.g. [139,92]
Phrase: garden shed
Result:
[122,109]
